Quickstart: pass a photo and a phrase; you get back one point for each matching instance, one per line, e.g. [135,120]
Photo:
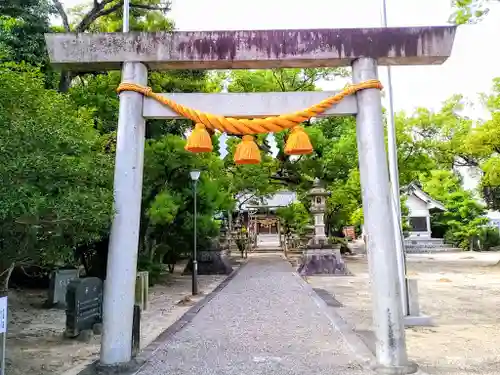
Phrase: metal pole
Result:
[387,310]
[394,178]
[3,331]
[126,16]
[195,262]
[3,353]
[3,339]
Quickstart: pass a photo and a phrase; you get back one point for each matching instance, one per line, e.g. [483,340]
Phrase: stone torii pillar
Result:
[124,240]
[362,49]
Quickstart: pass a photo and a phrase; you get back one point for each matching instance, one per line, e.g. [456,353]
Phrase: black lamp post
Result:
[195,175]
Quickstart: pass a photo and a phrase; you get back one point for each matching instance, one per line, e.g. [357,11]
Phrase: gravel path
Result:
[262,322]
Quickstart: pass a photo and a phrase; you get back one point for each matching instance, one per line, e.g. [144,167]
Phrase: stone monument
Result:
[84,307]
[142,290]
[320,257]
[59,281]
[211,261]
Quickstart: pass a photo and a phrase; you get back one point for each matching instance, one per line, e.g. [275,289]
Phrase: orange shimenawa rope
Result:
[251,126]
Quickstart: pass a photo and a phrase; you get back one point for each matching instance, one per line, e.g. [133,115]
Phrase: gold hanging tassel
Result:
[199,140]
[247,152]
[298,142]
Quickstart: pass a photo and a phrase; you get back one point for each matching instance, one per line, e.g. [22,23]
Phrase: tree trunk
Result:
[85,263]
[152,250]
[65,81]
[4,279]
[328,225]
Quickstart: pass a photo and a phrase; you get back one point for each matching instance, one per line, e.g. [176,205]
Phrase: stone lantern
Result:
[320,257]
[318,195]
[224,236]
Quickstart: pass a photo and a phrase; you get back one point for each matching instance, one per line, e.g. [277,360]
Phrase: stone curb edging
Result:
[136,364]
[360,350]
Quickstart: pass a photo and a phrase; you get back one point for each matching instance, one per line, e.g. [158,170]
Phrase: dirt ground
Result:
[460,291]
[35,342]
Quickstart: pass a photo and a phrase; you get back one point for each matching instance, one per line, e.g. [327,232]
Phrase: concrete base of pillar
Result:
[415,318]
[325,260]
[418,321]
[410,368]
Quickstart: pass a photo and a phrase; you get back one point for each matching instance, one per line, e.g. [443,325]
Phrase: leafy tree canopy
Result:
[470,11]
[56,186]
[22,27]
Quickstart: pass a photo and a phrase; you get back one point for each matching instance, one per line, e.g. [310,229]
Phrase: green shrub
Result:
[154,269]
[344,249]
[489,238]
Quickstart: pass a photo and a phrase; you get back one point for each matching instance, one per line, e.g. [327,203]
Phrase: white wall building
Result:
[420,206]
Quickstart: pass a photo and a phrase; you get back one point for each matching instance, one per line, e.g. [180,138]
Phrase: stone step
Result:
[432,250]
[424,239]
[429,243]
[427,246]
[267,250]
[433,241]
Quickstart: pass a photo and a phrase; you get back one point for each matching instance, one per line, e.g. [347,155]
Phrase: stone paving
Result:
[263,322]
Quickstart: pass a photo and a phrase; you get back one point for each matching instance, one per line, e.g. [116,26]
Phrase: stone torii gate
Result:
[362,49]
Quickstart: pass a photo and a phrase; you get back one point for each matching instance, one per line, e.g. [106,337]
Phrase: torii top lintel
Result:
[252,49]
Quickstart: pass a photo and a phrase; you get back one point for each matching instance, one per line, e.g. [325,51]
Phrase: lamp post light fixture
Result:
[195,176]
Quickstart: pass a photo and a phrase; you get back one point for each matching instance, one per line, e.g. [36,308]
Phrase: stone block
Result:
[59,281]
[415,318]
[413,297]
[142,290]
[246,105]
[84,305]
[251,49]
[323,261]
[210,262]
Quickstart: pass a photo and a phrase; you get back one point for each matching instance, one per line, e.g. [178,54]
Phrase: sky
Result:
[469,71]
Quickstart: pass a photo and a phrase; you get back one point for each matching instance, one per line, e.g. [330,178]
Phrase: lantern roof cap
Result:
[318,190]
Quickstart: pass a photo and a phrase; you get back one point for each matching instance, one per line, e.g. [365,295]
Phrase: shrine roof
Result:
[277,200]
[416,191]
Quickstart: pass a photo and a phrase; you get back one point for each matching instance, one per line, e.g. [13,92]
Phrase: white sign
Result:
[3,314]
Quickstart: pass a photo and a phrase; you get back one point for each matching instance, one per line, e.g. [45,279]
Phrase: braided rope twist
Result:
[236,126]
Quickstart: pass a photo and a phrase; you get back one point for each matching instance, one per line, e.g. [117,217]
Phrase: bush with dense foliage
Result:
[55,189]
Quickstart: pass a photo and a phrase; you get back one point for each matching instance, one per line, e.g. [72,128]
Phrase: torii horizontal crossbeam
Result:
[250,105]
[261,49]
